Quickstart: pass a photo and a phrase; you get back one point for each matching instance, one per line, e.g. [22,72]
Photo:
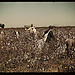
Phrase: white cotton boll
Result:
[43,69]
[73,37]
[57,38]
[8,44]
[57,53]
[35,57]
[2,47]
[25,29]
[47,57]
[9,60]
[52,57]
[27,65]
[74,49]
[28,60]
[2,33]
[11,39]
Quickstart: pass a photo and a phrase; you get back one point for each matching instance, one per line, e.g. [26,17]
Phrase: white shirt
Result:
[32,29]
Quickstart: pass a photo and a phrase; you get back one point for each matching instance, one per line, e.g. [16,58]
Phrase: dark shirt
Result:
[2,25]
[50,34]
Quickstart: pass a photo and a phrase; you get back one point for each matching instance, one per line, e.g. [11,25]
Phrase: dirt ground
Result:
[19,55]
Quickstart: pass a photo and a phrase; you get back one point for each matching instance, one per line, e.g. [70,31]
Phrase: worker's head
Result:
[31,25]
[50,27]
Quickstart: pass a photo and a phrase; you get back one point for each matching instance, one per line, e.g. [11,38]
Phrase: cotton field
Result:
[27,53]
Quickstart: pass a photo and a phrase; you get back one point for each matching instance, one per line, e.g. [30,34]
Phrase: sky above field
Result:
[18,14]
